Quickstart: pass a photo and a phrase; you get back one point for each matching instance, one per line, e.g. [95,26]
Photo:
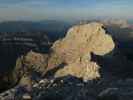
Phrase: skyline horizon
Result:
[65,10]
[69,20]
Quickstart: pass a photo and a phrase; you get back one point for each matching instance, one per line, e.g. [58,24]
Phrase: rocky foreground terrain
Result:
[84,65]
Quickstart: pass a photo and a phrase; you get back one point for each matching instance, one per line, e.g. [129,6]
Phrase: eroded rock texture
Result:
[83,39]
[76,47]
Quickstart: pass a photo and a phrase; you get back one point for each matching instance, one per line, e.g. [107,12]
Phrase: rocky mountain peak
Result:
[80,40]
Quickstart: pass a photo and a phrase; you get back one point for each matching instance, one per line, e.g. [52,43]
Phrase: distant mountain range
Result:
[52,27]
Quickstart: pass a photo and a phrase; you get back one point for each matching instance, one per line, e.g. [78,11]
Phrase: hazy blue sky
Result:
[64,9]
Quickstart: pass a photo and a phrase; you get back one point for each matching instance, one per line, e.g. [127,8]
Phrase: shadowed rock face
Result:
[36,62]
[14,45]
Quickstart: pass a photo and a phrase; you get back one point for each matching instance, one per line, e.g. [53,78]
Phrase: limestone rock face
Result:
[54,61]
[86,70]
[83,39]
[36,61]
[76,47]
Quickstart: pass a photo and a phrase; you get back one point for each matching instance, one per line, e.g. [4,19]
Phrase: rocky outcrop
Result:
[76,47]
[83,39]
[36,61]
[83,70]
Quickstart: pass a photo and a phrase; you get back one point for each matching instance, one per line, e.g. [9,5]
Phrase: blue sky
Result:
[64,9]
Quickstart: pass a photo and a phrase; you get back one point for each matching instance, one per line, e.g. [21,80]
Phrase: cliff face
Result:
[76,47]
[83,39]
